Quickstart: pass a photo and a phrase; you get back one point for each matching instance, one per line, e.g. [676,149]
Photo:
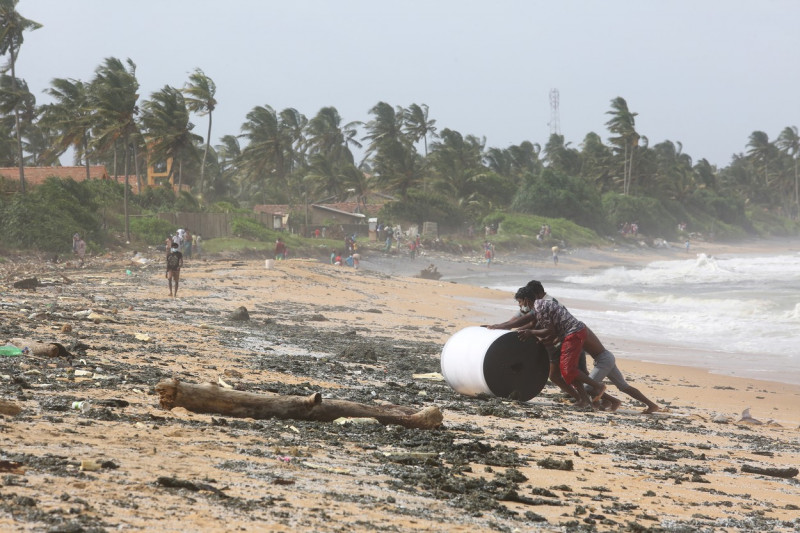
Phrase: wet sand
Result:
[359,335]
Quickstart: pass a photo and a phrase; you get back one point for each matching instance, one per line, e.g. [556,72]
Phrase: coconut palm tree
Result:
[789,143]
[760,150]
[12,29]
[200,92]
[70,117]
[328,137]
[113,97]
[168,130]
[267,158]
[623,125]
[395,160]
[417,126]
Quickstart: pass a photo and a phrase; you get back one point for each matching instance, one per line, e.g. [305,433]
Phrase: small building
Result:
[274,216]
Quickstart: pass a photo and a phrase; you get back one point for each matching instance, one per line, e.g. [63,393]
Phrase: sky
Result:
[703,73]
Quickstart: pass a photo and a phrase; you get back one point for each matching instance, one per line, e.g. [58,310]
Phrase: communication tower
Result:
[555,121]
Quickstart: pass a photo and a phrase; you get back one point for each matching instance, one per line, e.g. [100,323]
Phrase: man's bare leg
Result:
[634,393]
[599,388]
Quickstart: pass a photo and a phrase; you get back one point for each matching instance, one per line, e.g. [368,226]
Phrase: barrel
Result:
[269,264]
[478,360]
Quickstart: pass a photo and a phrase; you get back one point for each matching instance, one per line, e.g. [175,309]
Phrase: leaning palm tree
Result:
[113,96]
[760,150]
[328,137]
[70,117]
[200,92]
[622,125]
[168,130]
[12,27]
[789,143]
[417,125]
[266,160]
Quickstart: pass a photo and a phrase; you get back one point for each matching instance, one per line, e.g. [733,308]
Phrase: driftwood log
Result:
[42,349]
[210,398]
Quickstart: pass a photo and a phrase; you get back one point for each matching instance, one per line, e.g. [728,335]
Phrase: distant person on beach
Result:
[280,249]
[187,244]
[555,255]
[75,238]
[174,264]
[686,244]
[80,250]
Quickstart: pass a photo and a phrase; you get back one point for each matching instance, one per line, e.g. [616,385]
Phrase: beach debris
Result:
[555,464]
[9,408]
[210,398]
[41,349]
[430,272]
[27,283]
[722,419]
[12,467]
[240,314]
[430,376]
[144,337]
[785,473]
[221,382]
[87,465]
[175,483]
[355,421]
[324,468]
[748,419]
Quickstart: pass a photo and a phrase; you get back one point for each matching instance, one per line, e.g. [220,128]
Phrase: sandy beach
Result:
[124,463]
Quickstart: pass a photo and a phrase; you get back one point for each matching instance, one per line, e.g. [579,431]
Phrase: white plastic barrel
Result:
[494,361]
[269,264]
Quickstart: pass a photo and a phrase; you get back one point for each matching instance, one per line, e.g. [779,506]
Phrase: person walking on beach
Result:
[280,249]
[555,255]
[174,264]
[80,250]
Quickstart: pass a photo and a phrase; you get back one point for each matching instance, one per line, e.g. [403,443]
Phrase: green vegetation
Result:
[430,173]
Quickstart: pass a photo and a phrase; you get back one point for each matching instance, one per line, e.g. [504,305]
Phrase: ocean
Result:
[736,314]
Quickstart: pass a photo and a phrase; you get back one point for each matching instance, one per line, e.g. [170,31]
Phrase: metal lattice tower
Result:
[555,121]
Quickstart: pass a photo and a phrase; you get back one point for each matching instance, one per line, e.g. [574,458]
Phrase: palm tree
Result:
[228,154]
[12,27]
[200,99]
[328,137]
[395,161]
[760,150]
[267,158]
[457,164]
[113,96]
[70,117]
[417,126]
[168,130]
[789,143]
[622,124]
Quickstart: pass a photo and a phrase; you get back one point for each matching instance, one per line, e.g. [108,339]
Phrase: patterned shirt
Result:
[553,316]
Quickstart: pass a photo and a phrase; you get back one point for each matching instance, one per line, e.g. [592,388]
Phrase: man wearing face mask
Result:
[553,350]
[174,264]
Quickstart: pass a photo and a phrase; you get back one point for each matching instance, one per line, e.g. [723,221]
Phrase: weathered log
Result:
[42,349]
[772,471]
[210,398]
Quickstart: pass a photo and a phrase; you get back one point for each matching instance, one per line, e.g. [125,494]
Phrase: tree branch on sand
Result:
[210,398]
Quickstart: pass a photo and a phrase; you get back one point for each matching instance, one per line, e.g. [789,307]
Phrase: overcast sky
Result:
[706,73]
